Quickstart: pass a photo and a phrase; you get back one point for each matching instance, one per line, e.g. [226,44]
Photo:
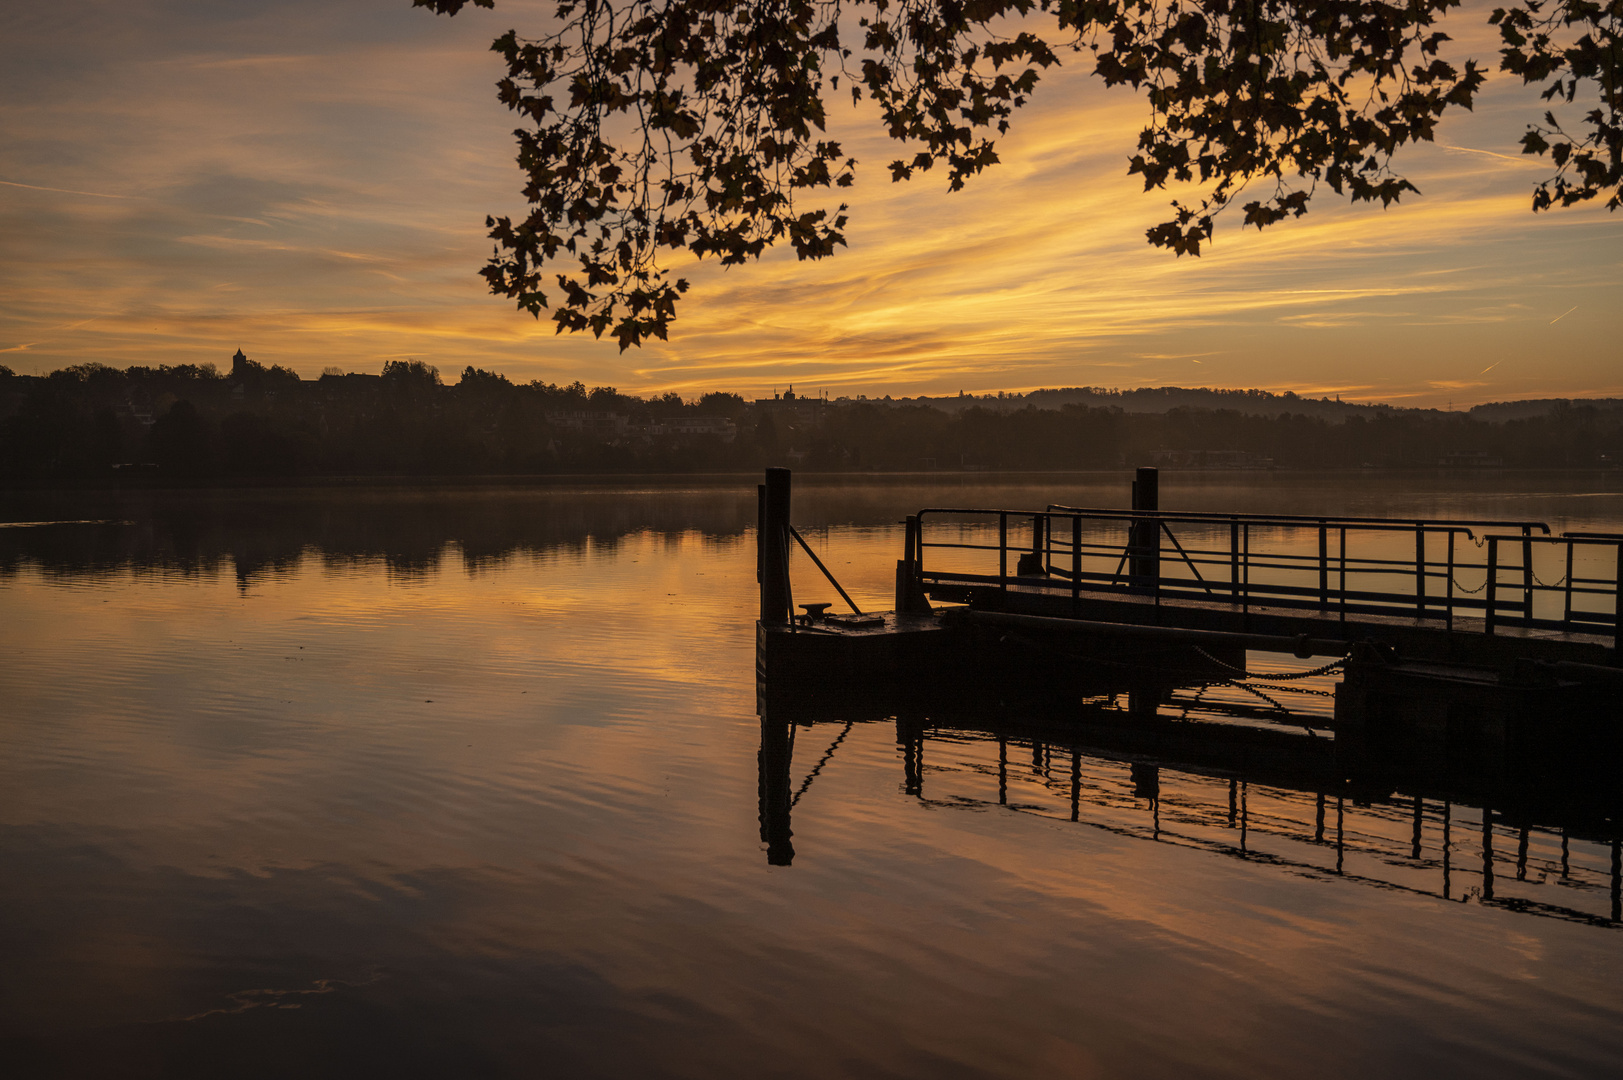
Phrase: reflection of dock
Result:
[1456,638]
[1527,843]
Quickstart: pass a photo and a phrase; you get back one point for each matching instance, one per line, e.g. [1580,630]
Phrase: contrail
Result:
[64,191]
[1564,314]
[1490,367]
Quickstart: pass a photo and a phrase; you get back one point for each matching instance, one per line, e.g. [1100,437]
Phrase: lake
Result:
[429,781]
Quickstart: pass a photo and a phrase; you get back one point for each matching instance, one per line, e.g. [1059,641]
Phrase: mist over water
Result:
[444,782]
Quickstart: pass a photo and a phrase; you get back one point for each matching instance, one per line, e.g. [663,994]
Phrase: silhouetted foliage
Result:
[180,441]
[663,125]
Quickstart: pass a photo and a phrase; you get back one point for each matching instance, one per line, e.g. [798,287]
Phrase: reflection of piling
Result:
[1146,778]
[1617,880]
[777,604]
[910,736]
[776,753]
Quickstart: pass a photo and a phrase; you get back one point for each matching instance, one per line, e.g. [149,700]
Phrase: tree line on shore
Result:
[190,423]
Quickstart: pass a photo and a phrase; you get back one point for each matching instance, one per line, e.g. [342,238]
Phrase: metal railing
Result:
[1340,566]
[1571,588]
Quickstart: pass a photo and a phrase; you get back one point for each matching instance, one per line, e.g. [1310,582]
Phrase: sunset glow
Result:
[309,183]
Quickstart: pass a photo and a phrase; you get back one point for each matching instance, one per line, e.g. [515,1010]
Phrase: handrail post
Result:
[1246,579]
[1493,581]
[1617,609]
[1076,563]
[1342,555]
[1448,603]
[1234,558]
[1566,615]
[1420,569]
[1003,550]
[1324,566]
[1527,573]
[773,545]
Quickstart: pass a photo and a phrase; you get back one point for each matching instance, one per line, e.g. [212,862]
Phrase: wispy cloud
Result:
[314,189]
[64,191]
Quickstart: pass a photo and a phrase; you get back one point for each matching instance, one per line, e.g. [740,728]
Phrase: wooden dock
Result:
[1449,632]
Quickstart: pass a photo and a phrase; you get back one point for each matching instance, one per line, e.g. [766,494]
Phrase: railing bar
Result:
[1263,521]
[794,532]
[1225,515]
[1168,530]
[1290,565]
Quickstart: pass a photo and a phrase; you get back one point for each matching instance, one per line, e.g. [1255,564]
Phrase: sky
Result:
[307,180]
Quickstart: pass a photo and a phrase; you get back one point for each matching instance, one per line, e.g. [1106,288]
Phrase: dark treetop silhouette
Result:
[92,423]
[696,124]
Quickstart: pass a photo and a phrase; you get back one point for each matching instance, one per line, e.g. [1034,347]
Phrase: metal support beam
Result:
[1297,646]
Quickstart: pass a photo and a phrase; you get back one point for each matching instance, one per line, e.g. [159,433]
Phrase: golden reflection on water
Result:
[495,782]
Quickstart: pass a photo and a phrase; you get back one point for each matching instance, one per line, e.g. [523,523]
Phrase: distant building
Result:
[600,424]
[694,426]
[792,407]
[1212,459]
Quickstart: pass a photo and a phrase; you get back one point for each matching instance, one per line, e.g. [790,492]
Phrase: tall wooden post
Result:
[773,541]
[1144,536]
[910,598]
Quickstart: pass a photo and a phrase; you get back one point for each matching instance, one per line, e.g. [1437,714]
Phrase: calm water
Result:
[438,783]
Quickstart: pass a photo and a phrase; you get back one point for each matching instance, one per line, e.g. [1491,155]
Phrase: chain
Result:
[1542,583]
[1272,676]
[1283,711]
[1259,693]
[1301,690]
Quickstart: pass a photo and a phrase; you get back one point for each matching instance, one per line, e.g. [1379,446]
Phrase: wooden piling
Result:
[777,602]
[1145,534]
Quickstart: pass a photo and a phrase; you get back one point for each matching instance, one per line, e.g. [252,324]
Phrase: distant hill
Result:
[1161,399]
[1498,412]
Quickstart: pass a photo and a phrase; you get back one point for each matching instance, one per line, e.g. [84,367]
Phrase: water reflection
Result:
[259,536]
[1539,846]
[474,779]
